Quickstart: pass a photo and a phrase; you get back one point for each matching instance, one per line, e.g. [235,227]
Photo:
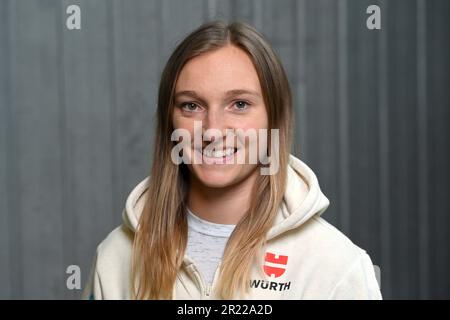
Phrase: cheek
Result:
[180,122]
[177,121]
[264,120]
[260,118]
[256,119]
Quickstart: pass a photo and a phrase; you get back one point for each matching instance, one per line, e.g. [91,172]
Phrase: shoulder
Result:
[110,273]
[330,236]
[341,266]
[324,241]
[115,247]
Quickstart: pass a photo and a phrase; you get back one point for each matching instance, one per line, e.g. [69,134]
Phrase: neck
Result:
[221,205]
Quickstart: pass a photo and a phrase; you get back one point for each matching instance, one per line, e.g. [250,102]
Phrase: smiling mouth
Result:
[219,153]
[217,156]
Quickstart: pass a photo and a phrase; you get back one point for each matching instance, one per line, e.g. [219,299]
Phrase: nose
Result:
[213,123]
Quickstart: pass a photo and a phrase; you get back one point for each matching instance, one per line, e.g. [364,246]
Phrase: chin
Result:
[216,176]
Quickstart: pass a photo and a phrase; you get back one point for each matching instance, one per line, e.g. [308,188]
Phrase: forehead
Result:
[224,69]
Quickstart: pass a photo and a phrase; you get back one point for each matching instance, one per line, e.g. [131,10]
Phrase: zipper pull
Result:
[208,290]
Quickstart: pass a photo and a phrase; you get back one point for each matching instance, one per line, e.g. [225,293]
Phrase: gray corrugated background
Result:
[76,126]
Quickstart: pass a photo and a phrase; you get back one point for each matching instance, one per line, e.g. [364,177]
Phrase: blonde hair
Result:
[161,237]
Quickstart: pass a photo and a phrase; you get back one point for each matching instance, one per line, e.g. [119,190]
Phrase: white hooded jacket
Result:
[305,256]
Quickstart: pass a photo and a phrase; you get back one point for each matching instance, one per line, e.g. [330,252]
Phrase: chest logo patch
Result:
[275,264]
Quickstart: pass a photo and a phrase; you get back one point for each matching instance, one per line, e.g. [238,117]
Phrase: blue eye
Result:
[189,106]
[241,105]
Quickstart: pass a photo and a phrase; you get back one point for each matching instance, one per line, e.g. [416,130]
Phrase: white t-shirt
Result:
[206,243]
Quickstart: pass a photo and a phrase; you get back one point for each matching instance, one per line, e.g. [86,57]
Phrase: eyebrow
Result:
[228,94]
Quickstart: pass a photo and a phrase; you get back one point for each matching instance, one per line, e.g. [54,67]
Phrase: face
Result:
[219,92]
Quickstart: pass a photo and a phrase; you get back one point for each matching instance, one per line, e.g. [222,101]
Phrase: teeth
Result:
[218,153]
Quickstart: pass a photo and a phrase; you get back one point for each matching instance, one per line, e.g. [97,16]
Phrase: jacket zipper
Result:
[205,289]
[208,290]
[209,287]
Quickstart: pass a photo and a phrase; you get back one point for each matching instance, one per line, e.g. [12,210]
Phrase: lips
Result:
[211,156]
[218,153]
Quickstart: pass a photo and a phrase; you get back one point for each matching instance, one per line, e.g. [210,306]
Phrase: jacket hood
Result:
[302,200]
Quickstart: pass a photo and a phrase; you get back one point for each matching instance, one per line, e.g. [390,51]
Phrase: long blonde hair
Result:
[161,237]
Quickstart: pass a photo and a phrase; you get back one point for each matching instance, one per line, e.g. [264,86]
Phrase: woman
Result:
[205,225]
